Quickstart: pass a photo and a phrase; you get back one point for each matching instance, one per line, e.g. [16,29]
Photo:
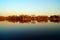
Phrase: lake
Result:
[18,30]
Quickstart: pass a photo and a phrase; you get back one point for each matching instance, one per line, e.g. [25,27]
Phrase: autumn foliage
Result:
[27,18]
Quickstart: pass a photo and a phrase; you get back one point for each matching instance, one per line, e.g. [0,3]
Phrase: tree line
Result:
[27,18]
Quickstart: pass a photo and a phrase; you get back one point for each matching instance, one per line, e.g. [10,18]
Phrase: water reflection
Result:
[30,19]
[9,30]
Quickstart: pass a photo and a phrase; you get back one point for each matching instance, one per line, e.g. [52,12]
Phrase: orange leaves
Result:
[27,18]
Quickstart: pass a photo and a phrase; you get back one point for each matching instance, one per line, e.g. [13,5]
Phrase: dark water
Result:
[18,30]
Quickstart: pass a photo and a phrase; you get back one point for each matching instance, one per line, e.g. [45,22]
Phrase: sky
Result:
[30,7]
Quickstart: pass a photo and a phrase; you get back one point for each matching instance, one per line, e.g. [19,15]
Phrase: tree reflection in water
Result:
[28,19]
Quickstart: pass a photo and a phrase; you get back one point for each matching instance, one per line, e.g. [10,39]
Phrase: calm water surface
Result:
[24,30]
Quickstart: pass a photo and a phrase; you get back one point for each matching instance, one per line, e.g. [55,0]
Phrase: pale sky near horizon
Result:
[30,7]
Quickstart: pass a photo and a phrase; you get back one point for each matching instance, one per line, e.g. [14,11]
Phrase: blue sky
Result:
[29,6]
